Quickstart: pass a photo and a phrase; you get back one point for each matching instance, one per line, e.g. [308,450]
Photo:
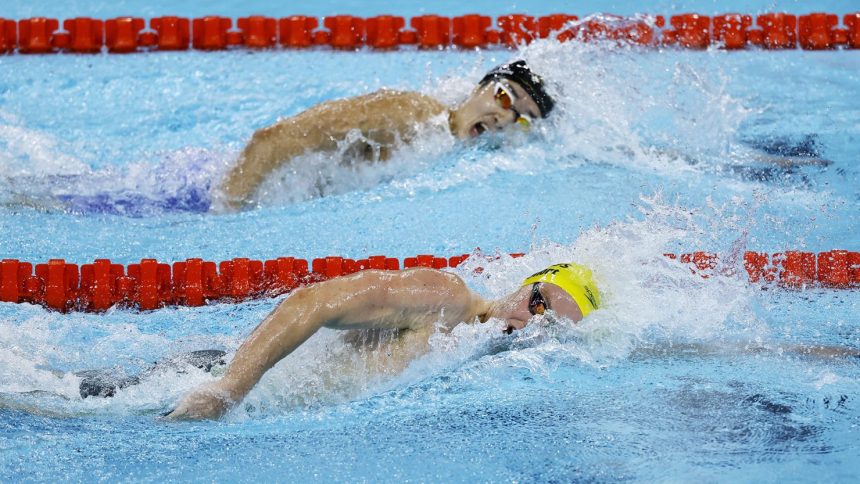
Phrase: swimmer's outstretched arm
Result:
[369,299]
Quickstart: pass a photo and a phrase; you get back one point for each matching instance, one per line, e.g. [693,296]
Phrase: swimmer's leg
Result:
[105,383]
[821,351]
[41,204]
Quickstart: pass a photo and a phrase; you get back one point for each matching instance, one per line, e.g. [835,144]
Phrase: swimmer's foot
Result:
[788,162]
[824,351]
[788,153]
[783,146]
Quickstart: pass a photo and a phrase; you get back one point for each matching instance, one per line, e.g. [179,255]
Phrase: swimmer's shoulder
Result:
[418,279]
[448,289]
[392,102]
[386,109]
[448,292]
[413,276]
[435,277]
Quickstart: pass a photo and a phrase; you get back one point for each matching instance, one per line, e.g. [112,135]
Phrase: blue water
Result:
[677,378]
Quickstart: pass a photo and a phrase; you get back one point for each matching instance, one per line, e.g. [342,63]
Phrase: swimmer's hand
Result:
[208,401]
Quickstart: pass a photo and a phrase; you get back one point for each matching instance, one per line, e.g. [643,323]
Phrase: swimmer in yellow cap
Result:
[575,280]
[415,302]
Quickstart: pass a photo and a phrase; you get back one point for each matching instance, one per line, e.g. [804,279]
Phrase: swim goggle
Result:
[537,303]
[538,306]
[505,98]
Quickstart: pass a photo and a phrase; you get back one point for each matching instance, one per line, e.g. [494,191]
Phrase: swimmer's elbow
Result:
[261,155]
[235,190]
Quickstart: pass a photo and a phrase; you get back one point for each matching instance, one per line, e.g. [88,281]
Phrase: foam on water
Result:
[27,152]
[615,108]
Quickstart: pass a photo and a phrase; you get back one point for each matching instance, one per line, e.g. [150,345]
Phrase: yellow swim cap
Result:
[575,279]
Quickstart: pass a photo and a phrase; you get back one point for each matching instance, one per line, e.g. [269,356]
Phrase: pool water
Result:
[676,378]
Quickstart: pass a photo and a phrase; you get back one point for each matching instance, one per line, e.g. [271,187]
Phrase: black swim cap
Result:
[520,72]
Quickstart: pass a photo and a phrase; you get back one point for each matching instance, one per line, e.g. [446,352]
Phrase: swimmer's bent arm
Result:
[274,145]
[383,118]
[378,299]
[294,321]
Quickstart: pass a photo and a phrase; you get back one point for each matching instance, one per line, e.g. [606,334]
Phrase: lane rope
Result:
[150,284]
[85,35]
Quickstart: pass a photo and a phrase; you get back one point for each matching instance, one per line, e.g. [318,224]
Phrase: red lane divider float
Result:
[432,31]
[210,33]
[296,32]
[777,30]
[732,30]
[8,36]
[122,34]
[385,31]
[258,32]
[34,35]
[150,285]
[168,33]
[83,36]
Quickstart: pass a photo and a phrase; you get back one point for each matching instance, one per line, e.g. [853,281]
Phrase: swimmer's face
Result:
[493,106]
[515,311]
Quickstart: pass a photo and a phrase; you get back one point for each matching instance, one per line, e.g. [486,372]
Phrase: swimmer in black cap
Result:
[510,94]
